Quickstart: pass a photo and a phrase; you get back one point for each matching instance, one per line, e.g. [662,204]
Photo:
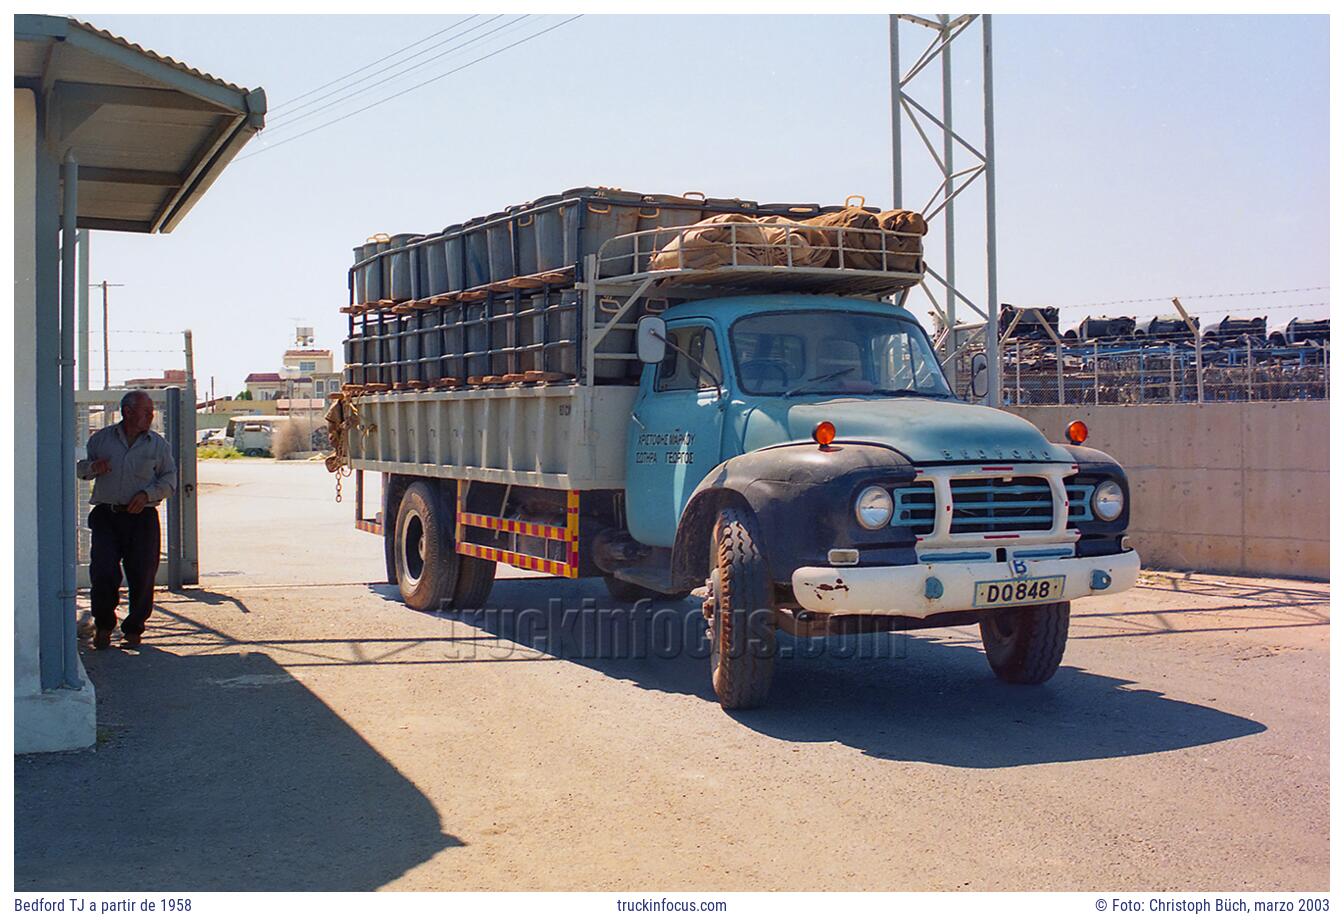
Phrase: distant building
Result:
[171,378]
[266,386]
[315,366]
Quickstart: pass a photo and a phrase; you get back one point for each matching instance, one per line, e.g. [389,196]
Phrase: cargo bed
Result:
[553,437]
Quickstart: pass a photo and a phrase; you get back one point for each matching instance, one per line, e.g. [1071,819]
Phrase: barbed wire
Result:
[1183,297]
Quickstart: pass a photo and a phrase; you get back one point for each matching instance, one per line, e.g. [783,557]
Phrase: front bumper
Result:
[901,590]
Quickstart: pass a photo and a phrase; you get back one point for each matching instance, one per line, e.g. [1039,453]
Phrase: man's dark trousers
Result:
[123,539]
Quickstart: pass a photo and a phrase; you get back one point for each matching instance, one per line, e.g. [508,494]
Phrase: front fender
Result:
[803,499]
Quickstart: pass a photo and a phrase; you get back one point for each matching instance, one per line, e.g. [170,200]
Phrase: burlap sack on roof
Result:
[904,251]
[853,248]
[709,244]
[793,243]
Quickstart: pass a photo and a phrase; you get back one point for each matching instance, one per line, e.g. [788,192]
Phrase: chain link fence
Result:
[1035,373]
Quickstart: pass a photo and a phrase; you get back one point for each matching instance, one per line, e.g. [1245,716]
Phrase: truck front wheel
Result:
[741,614]
[1025,645]
[425,559]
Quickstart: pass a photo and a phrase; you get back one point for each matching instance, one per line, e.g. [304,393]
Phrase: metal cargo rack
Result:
[742,273]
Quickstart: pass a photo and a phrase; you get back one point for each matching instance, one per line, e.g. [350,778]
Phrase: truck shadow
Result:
[215,772]
[900,696]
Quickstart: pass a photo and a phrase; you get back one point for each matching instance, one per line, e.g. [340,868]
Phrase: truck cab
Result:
[806,455]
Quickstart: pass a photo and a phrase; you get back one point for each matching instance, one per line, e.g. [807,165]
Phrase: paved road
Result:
[327,737]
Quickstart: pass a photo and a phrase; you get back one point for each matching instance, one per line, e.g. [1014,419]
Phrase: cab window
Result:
[678,373]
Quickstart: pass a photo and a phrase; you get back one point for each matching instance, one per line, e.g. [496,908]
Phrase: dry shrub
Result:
[292,438]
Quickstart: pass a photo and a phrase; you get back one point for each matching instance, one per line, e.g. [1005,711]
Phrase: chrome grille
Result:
[993,505]
[1022,503]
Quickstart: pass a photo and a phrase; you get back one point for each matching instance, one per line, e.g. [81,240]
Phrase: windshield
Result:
[783,354]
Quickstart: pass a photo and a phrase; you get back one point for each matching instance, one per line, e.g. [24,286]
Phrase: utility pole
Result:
[107,361]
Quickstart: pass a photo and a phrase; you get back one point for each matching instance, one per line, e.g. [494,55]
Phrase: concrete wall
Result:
[1230,487]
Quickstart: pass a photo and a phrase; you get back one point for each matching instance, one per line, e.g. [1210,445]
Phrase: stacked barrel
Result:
[492,301]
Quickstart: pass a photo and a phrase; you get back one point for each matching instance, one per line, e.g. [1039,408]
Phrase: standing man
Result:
[133,470]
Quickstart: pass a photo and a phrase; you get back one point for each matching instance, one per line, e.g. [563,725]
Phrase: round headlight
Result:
[874,507]
[1108,500]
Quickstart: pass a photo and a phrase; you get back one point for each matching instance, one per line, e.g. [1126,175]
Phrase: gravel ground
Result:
[320,735]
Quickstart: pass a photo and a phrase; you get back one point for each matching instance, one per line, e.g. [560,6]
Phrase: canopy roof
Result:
[149,133]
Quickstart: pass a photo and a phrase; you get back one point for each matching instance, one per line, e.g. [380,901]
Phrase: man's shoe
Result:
[102,638]
[131,640]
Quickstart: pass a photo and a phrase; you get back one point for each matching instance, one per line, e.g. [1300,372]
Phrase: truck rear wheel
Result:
[630,593]
[425,558]
[475,579]
[741,614]
[1025,645]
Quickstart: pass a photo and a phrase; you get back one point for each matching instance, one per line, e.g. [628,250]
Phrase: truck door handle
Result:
[634,417]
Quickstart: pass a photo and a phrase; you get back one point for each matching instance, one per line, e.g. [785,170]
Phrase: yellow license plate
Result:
[1015,591]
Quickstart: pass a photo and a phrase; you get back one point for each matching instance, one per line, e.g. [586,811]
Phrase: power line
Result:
[421,41]
[284,123]
[1167,299]
[412,88]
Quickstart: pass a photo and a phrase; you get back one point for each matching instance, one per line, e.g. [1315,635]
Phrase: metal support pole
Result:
[188,355]
[991,241]
[1171,370]
[1017,371]
[893,22]
[82,282]
[107,372]
[69,496]
[1250,373]
[1199,349]
[172,426]
[949,223]
[1096,374]
[1059,371]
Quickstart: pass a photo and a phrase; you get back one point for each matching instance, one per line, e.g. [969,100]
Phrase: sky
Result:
[1137,157]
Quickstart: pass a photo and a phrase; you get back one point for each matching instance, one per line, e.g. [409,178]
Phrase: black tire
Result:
[1025,645]
[475,578]
[741,605]
[630,593]
[427,564]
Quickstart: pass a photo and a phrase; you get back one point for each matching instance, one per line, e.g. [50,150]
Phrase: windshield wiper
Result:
[822,378]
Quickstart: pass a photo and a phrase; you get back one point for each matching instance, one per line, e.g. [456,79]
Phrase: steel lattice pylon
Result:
[909,115]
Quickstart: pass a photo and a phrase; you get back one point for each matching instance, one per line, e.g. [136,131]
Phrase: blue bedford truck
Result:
[782,436]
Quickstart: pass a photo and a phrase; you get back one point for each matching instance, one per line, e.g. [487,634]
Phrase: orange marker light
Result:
[1076,432]
[824,433]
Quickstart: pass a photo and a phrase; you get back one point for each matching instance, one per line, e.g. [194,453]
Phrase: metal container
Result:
[551,219]
[374,274]
[454,343]
[411,352]
[560,338]
[402,285]
[455,254]
[436,267]
[477,252]
[525,238]
[610,213]
[499,246]
[357,277]
[477,338]
[503,333]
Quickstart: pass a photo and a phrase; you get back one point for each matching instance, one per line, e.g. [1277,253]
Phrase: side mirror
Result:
[979,375]
[651,339]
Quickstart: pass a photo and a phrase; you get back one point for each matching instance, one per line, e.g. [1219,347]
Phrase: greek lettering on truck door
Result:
[675,434]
